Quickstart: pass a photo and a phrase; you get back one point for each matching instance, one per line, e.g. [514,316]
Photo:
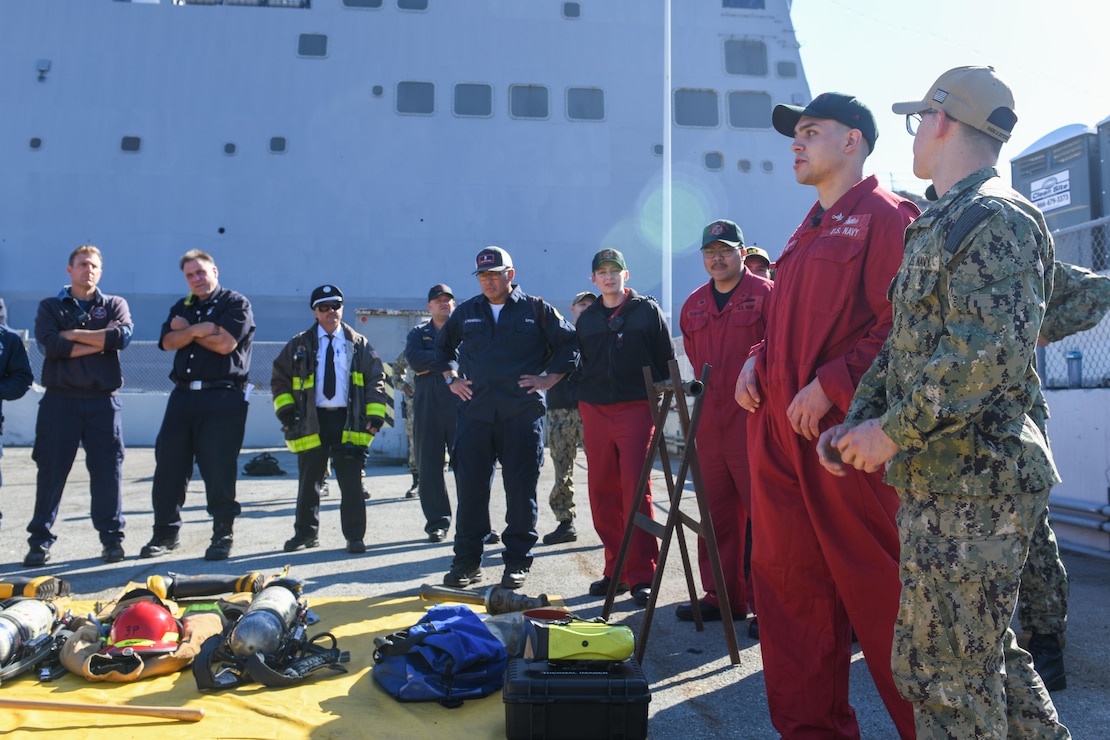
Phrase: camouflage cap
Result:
[754,251]
[974,96]
[585,295]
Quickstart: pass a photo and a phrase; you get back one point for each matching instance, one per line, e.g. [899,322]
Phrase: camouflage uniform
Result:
[564,434]
[402,381]
[955,387]
[1080,298]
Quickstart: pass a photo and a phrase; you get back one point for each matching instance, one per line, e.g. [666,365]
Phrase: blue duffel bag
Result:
[448,656]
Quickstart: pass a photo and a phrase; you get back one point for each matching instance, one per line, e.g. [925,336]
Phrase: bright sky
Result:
[1052,53]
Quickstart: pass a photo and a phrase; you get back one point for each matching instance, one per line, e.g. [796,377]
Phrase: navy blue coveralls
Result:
[433,406]
[80,407]
[206,415]
[502,421]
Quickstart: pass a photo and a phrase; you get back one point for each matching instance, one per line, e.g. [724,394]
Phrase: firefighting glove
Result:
[288,416]
[376,422]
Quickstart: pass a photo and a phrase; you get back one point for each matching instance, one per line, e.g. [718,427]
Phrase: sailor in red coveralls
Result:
[720,322]
[825,557]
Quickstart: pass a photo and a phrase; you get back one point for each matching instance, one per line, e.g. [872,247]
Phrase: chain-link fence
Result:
[1083,359]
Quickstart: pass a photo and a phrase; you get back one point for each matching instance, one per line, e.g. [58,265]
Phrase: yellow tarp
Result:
[329,705]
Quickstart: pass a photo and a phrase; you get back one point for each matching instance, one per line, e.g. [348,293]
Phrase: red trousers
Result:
[727,482]
[825,562]
[616,438]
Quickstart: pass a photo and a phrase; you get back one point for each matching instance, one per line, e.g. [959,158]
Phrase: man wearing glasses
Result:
[721,321]
[824,549]
[496,353]
[329,394]
[620,334]
[952,407]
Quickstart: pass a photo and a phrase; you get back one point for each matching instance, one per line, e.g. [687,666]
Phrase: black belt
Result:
[331,408]
[207,385]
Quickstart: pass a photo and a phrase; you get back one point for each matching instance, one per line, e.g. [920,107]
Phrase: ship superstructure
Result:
[379,144]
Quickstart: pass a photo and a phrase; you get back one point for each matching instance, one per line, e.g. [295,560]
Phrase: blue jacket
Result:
[529,338]
[15,369]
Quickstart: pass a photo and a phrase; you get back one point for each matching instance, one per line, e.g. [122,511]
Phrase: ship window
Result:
[572,10]
[36,143]
[787,69]
[377,91]
[412,4]
[528,101]
[418,98]
[585,104]
[746,4]
[363,3]
[277,145]
[657,150]
[130,143]
[473,100]
[714,161]
[696,108]
[768,165]
[229,149]
[746,57]
[744,165]
[313,45]
[749,110]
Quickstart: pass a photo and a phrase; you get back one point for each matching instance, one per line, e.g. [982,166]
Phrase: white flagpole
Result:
[666,236]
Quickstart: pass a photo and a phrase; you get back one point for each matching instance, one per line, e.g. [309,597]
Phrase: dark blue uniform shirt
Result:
[529,338]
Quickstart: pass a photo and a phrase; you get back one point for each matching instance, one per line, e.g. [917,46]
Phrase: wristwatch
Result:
[451,379]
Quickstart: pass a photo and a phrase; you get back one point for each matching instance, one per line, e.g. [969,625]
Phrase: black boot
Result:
[1048,659]
[415,490]
[221,542]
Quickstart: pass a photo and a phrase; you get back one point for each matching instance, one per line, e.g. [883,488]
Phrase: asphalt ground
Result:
[694,686]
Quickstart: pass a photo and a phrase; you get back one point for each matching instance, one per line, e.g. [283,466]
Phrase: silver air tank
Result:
[22,622]
[264,626]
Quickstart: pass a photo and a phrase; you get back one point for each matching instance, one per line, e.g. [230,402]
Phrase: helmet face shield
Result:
[144,627]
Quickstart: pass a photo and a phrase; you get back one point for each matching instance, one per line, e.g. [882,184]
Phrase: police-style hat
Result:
[754,251]
[324,294]
[492,259]
[723,231]
[835,106]
[608,255]
[437,290]
[583,296]
[974,96]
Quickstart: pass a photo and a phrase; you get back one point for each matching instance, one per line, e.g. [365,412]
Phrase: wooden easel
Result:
[673,391]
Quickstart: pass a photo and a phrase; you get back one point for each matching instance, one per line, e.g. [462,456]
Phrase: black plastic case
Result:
[586,699]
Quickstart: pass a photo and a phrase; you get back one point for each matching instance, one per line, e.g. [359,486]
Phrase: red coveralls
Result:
[826,558]
[722,339]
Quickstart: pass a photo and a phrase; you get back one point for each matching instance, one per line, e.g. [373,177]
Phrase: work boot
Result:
[1048,659]
[565,532]
[462,575]
[37,555]
[112,552]
[514,576]
[222,538]
[415,490]
[159,546]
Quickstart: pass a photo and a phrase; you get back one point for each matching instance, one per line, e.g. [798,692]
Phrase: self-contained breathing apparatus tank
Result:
[267,621]
[20,623]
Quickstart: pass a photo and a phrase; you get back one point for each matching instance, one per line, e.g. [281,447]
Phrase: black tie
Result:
[329,371]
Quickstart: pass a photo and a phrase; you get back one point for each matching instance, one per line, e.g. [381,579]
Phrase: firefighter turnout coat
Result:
[294,385]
